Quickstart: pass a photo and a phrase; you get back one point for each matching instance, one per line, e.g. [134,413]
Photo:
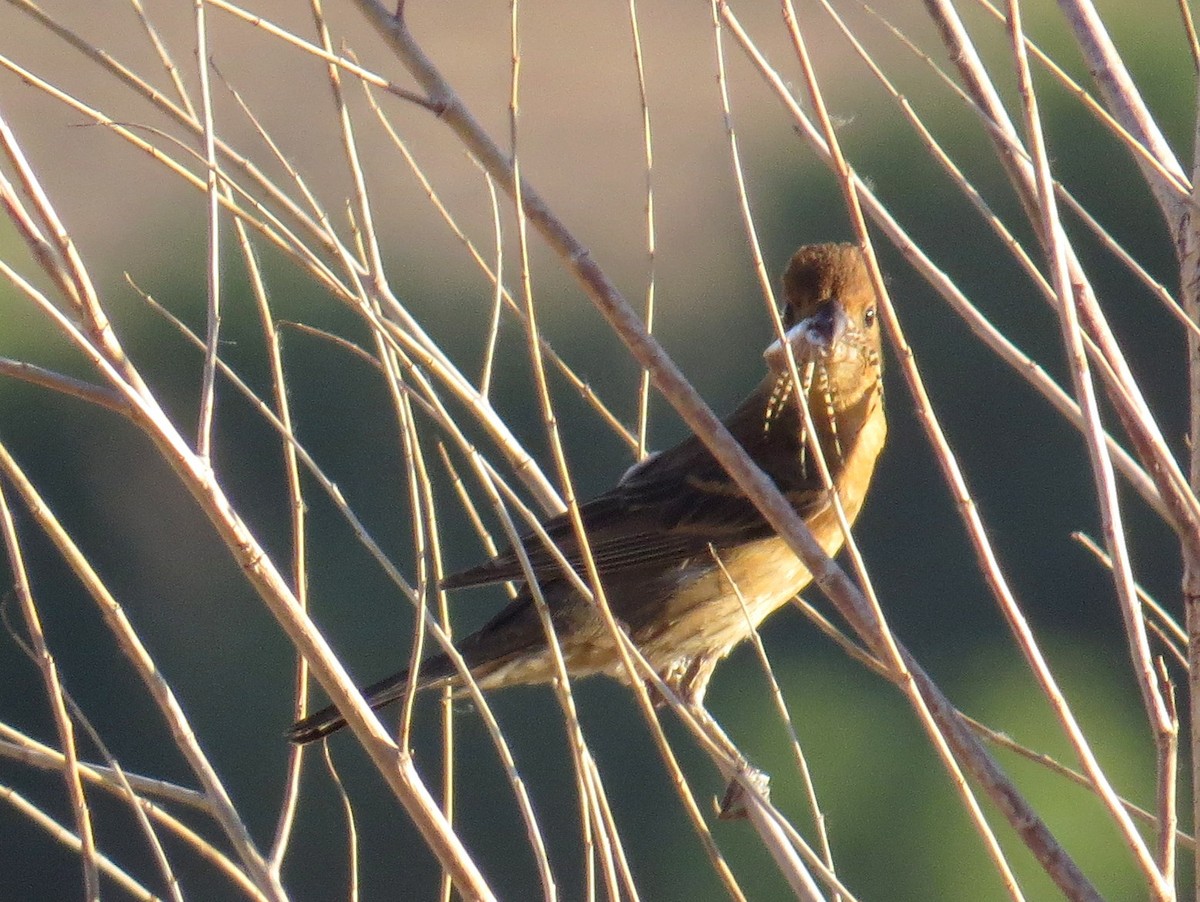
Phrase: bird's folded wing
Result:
[665,512]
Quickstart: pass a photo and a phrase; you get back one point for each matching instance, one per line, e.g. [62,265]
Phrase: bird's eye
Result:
[869,316]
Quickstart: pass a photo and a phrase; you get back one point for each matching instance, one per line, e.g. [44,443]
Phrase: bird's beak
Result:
[814,336]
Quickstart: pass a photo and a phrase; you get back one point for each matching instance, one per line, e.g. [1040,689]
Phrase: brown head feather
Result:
[821,272]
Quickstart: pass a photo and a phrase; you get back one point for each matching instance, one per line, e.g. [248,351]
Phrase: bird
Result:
[656,536]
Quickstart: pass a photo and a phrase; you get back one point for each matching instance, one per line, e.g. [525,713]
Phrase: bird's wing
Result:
[669,508]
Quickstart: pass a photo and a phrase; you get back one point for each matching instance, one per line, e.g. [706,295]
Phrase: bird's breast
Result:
[715,606]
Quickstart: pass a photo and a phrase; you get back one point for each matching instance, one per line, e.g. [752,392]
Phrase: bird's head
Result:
[830,321]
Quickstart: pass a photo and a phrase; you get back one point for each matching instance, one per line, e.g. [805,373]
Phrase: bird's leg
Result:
[733,802]
[690,684]
[687,678]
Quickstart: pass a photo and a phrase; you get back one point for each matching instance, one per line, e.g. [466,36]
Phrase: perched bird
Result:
[655,534]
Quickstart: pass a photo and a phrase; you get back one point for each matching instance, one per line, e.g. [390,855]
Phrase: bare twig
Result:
[40,818]
[213,192]
[66,385]
[1055,242]
[651,237]
[41,655]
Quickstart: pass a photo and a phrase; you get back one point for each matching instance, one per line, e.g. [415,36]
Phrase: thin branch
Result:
[643,404]
[477,698]
[65,837]
[494,276]
[1121,94]
[810,789]
[966,747]
[1165,617]
[888,651]
[213,191]
[1055,242]
[66,385]
[222,807]
[40,653]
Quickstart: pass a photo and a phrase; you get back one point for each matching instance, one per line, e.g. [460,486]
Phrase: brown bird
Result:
[655,534]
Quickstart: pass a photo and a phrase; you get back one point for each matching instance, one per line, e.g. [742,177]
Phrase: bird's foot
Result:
[657,699]
[734,804]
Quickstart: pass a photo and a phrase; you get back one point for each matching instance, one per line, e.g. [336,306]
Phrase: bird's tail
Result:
[513,635]
[329,719]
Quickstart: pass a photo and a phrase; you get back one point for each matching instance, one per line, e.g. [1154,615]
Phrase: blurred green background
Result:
[896,828]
